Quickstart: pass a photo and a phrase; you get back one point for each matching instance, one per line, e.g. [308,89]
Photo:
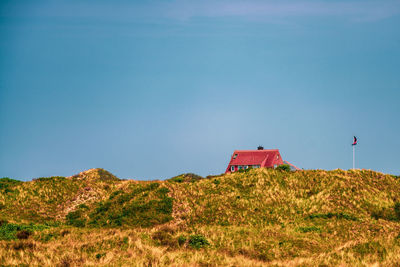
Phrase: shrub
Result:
[135,208]
[114,194]
[74,218]
[216,182]
[248,169]
[6,183]
[23,234]
[163,191]
[181,240]
[9,231]
[186,177]
[397,210]
[388,214]
[283,167]
[49,179]
[100,255]
[46,237]
[198,241]
[177,179]
[103,207]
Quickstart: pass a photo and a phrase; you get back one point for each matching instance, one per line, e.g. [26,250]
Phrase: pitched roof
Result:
[265,158]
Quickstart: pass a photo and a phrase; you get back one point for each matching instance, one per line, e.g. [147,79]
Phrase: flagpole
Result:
[354,157]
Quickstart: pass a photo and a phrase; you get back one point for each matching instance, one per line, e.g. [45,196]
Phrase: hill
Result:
[253,218]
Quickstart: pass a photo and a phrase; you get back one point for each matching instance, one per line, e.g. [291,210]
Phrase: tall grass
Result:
[253,218]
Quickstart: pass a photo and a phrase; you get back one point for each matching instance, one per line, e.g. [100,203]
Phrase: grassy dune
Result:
[255,218]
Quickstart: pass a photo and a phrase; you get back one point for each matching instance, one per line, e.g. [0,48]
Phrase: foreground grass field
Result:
[255,218]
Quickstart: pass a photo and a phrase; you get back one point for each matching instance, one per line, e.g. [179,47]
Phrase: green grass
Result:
[9,231]
[139,205]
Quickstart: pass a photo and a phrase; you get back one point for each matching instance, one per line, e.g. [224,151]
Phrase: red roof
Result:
[265,158]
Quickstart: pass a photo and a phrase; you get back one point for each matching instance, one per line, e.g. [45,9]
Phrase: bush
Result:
[186,177]
[248,169]
[23,234]
[145,205]
[163,191]
[114,194]
[177,179]
[6,183]
[9,231]
[100,255]
[284,167]
[397,210]
[74,218]
[181,240]
[385,213]
[198,241]
[49,179]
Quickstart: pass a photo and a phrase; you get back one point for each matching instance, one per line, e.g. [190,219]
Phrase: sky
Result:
[152,89]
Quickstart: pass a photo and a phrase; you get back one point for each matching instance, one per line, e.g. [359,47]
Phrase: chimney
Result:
[260,148]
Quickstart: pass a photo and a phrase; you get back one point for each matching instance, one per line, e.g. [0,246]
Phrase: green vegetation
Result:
[6,186]
[397,210]
[370,248]
[139,205]
[186,177]
[255,217]
[198,241]
[10,231]
[283,167]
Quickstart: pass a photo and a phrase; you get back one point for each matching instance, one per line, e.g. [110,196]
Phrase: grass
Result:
[10,231]
[253,218]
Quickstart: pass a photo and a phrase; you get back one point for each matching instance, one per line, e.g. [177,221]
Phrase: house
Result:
[260,158]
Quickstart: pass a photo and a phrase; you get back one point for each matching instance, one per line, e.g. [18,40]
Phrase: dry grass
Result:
[261,217]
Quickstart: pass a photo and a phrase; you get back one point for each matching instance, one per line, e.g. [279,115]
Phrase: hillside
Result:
[258,217]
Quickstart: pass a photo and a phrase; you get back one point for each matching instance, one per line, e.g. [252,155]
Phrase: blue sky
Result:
[151,89]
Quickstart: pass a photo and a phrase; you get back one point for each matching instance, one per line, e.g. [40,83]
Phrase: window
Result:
[232,168]
[275,166]
[235,156]
[256,166]
[240,167]
[246,167]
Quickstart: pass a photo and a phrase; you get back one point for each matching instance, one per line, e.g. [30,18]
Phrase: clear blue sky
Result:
[151,89]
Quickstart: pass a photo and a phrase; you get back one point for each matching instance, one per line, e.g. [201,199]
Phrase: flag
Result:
[355,141]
